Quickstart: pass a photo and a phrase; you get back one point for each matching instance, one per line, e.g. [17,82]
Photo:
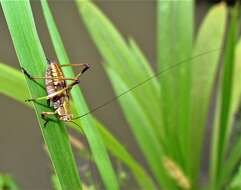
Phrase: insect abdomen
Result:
[54,78]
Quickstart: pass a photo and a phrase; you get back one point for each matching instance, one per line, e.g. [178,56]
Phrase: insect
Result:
[58,92]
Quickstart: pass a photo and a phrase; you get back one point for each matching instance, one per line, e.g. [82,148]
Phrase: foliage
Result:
[167,111]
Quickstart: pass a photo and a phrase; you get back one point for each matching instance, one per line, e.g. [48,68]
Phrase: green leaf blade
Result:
[12,83]
[227,98]
[210,36]
[174,44]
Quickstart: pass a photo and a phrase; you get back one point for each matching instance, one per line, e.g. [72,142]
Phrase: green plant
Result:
[7,182]
[167,114]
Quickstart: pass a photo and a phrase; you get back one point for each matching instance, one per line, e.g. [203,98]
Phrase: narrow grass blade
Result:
[236,94]
[144,64]
[88,125]
[12,83]
[235,154]
[154,87]
[31,56]
[116,149]
[227,83]
[210,36]
[222,128]
[174,43]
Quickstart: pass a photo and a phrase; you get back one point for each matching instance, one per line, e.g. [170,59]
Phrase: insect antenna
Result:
[77,125]
[156,75]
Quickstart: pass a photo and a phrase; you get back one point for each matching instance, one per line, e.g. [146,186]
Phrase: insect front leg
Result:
[33,78]
[84,66]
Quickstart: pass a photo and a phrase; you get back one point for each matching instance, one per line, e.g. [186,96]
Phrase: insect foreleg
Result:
[36,78]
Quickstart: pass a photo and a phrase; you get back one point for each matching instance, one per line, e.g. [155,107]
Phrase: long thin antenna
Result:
[77,125]
[145,81]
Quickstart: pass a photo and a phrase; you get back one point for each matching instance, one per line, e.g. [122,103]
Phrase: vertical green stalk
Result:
[222,128]
[210,36]
[174,44]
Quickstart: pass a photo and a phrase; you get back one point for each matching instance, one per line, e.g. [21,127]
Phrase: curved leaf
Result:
[13,83]
[210,36]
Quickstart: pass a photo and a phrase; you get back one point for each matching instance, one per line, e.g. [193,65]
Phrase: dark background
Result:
[21,149]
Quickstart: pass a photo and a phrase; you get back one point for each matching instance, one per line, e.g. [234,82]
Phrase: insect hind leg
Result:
[27,74]
[41,104]
[44,116]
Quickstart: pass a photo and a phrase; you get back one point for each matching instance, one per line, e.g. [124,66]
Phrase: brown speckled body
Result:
[55,82]
[54,75]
